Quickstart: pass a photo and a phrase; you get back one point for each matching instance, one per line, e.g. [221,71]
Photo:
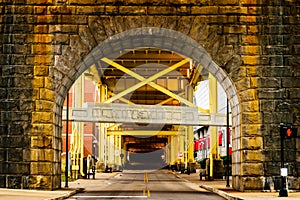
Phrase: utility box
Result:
[218,169]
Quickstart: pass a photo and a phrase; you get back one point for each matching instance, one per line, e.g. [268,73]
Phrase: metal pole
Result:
[283,191]
[67,143]
[227,145]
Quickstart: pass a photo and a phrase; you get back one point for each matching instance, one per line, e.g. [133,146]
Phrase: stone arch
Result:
[160,38]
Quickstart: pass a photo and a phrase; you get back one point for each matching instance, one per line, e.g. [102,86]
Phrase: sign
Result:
[283,171]
[220,135]
[288,132]
[180,154]
[154,114]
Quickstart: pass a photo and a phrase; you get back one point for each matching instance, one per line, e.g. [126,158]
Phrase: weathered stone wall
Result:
[43,43]
[278,85]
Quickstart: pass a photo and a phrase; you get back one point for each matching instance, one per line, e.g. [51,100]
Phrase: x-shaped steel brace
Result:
[148,81]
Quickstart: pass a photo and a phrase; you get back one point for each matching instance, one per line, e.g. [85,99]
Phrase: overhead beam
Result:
[144,64]
[143,72]
[145,114]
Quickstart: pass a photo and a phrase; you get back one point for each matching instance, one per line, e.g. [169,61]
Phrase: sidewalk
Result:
[74,187]
[16,194]
[219,187]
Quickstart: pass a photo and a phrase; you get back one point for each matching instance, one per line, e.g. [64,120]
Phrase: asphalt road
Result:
[141,184]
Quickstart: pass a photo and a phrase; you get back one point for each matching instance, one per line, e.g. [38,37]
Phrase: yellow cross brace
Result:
[123,99]
[142,79]
[149,82]
[167,100]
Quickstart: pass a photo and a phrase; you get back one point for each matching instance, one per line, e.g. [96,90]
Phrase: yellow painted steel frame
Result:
[147,81]
[213,101]
[123,99]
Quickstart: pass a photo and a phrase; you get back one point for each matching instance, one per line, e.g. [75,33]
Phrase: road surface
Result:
[145,184]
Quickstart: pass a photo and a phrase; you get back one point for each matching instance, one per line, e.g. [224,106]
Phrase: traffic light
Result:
[288,132]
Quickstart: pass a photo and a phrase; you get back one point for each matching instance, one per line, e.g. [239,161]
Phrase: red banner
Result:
[220,134]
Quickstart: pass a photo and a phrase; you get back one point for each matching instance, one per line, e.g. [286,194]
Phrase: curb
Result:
[221,193]
[71,193]
[177,176]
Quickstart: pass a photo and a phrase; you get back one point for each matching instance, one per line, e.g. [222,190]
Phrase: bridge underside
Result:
[145,92]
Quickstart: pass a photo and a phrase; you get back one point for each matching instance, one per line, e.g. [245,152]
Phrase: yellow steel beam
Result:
[113,126]
[203,110]
[158,87]
[148,81]
[213,102]
[168,100]
[142,79]
[142,133]
[123,99]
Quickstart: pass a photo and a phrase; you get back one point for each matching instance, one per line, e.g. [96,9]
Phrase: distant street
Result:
[141,184]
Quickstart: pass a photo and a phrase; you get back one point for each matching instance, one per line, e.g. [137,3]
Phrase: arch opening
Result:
[158,39]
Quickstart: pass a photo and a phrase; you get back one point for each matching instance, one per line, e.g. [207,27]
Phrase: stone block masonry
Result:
[254,43]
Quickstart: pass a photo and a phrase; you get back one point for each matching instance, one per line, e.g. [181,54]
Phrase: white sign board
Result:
[180,154]
[153,114]
[283,171]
